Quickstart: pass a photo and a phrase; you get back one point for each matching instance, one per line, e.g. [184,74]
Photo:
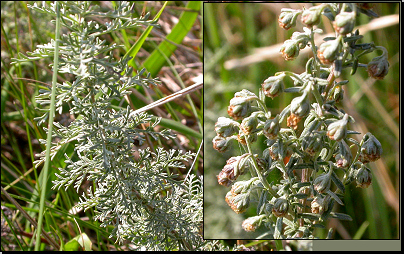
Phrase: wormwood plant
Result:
[132,189]
[315,150]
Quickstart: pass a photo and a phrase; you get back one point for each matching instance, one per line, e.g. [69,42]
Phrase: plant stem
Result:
[262,179]
[42,189]
[317,95]
[330,153]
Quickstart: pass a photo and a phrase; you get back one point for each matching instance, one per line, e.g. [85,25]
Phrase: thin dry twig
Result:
[171,97]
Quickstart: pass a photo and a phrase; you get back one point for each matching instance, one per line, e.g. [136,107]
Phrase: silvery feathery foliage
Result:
[297,179]
[152,209]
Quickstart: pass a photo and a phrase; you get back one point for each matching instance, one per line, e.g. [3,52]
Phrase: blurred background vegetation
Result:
[22,30]
[241,49]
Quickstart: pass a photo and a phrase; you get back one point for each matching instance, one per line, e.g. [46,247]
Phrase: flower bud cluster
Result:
[250,123]
[280,207]
[363,177]
[291,48]
[237,202]
[273,86]
[287,18]
[344,22]
[241,104]
[344,157]
[299,108]
[221,144]
[312,16]
[322,183]
[312,143]
[371,149]
[235,166]
[378,67]
[328,51]
[320,204]
[338,130]
[272,128]
[226,127]
[251,224]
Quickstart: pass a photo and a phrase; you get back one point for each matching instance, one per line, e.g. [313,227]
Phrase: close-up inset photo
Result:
[301,120]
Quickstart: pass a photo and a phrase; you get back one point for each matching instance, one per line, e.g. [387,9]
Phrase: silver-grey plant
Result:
[131,189]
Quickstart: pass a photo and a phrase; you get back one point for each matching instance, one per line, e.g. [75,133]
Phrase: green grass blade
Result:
[179,127]
[156,60]
[136,47]
[359,233]
[50,127]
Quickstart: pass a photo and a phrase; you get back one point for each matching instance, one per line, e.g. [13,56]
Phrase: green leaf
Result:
[337,182]
[278,228]
[335,197]
[72,245]
[341,216]
[81,240]
[310,216]
[84,241]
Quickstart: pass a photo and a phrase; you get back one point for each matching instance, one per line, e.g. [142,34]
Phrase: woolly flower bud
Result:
[290,49]
[238,187]
[251,223]
[287,18]
[312,16]
[300,106]
[363,177]
[320,204]
[233,169]
[323,182]
[221,144]
[311,144]
[274,151]
[249,124]
[273,86]
[238,203]
[344,158]
[280,208]
[378,67]
[302,38]
[226,127]
[240,104]
[344,22]
[338,129]
[328,51]
[371,149]
[271,128]
[239,108]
